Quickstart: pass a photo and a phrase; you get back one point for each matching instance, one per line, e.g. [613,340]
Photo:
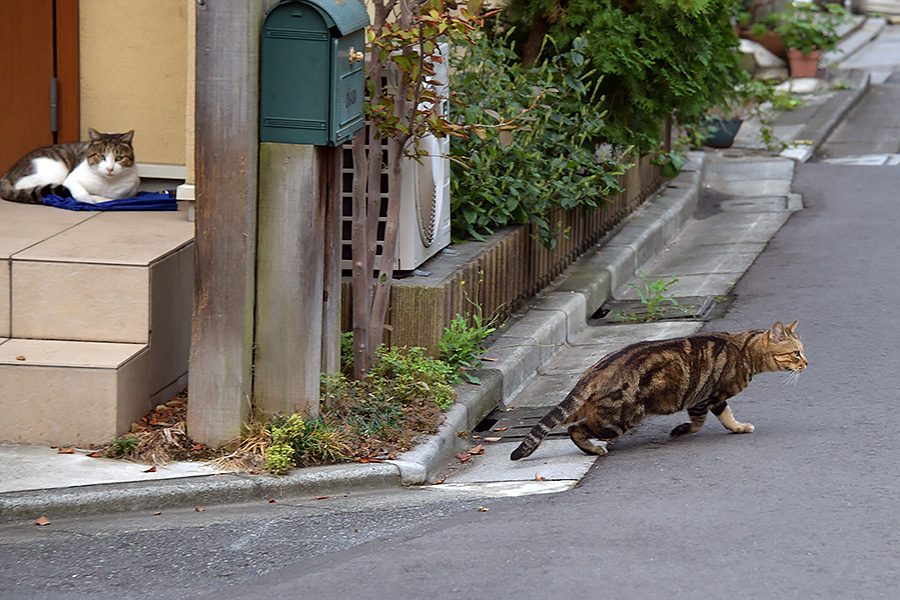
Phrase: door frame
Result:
[67,72]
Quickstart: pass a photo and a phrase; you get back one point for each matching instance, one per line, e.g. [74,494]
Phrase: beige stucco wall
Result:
[134,73]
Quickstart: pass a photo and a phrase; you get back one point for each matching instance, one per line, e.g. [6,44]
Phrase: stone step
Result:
[96,279]
[99,306]
[71,393]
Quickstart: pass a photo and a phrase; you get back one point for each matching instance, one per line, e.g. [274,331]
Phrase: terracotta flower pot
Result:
[803,65]
[770,40]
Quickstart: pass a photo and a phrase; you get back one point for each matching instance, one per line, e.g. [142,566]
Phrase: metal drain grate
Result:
[694,308]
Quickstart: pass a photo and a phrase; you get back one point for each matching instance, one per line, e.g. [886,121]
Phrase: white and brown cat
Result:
[98,170]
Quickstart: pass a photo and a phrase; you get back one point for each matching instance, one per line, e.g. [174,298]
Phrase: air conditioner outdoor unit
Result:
[424,227]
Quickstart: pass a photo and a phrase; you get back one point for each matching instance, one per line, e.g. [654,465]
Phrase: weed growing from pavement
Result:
[654,298]
[460,344]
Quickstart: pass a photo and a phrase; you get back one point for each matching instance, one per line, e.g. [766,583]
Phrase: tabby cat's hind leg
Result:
[698,417]
[581,436]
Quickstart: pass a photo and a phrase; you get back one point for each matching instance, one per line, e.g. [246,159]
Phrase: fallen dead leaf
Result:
[536,478]
[95,455]
[477,450]
[488,359]
[42,521]
[199,508]
[272,500]
[500,428]
[463,457]
[20,358]
[320,497]
[483,509]
[66,451]
[156,514]
[510,408]
[493,439]
[439,481]
[151,470]
[370,460]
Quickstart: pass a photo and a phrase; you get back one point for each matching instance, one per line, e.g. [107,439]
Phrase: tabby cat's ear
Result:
[790,328]
[776,332]
[126,138]
[93,134]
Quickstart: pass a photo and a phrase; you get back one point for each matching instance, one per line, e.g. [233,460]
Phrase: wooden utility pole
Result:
[227,146]
[267,263]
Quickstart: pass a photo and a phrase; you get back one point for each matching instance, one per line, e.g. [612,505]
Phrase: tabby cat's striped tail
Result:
[559,414]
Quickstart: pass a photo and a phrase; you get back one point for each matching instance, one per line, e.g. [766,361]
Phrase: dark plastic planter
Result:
[722,132]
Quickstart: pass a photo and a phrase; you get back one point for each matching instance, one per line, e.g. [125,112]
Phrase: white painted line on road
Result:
[507,489]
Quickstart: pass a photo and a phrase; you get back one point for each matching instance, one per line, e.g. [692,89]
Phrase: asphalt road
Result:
[805,507]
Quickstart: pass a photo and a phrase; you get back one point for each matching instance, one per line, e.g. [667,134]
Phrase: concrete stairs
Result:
[95,320]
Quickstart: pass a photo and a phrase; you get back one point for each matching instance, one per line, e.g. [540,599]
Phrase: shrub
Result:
[521,176]
[296,441]
[653,58]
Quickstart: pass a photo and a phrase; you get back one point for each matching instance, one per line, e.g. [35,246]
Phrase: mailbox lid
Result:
[345,15]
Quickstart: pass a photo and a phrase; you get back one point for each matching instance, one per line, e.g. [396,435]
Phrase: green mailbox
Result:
[312,77]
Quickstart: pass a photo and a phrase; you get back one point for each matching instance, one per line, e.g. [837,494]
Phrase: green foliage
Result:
[401,397]
[460,347]
[653,58]
[407,108]
[124,445]
[295,441]
[460,344]
[408,374]
[347,353]
[654,298]
[808,26]
[544,157]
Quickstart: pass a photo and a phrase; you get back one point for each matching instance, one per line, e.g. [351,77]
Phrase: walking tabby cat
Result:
[698,373]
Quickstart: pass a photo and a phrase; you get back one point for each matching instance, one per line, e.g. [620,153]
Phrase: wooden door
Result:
[38,52]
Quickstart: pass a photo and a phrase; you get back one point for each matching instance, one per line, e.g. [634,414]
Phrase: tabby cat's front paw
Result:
[742,428]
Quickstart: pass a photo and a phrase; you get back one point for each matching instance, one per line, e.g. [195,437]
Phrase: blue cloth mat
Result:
[143,201]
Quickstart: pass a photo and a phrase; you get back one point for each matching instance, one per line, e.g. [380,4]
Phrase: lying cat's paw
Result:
[93,199]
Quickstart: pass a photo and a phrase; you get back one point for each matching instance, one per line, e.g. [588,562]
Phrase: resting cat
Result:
[94,171]
[696,373]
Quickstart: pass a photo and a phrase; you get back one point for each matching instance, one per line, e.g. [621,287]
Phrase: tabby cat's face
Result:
[786,349]
[109,153]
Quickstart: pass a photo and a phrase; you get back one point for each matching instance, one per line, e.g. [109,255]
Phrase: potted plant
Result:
[721,123]
[719,127]
[807,30]
[755,22]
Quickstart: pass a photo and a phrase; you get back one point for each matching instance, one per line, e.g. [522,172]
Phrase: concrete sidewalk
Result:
[537,358]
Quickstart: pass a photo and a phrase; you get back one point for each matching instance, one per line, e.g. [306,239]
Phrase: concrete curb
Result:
[196,491]
[817,129]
